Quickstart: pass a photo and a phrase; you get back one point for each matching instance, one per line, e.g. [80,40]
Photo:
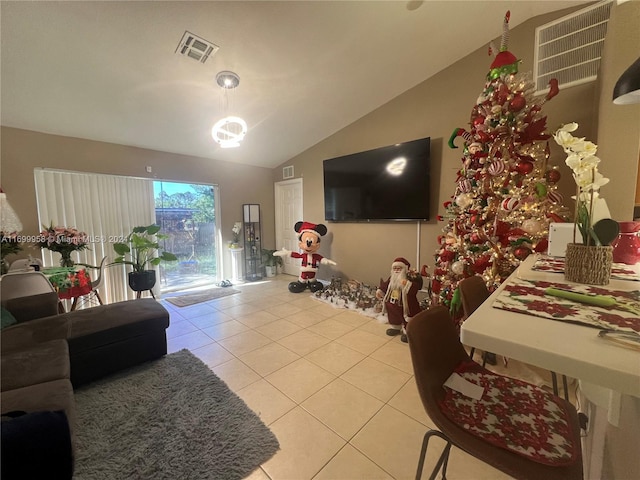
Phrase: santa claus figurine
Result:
[400,296]
[309,242]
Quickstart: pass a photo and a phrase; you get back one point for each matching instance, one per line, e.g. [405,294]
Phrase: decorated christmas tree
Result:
[506,194]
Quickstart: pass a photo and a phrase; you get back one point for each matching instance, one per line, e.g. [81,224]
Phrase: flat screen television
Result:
[385,184]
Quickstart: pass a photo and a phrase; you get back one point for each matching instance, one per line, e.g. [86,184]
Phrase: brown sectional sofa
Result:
[45,355]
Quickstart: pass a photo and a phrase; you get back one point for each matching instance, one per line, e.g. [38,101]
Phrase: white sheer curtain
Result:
[106,207]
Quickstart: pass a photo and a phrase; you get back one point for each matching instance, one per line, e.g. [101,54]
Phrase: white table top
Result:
[561,347]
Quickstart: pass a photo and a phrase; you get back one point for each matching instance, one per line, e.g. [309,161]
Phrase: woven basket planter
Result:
[590,265]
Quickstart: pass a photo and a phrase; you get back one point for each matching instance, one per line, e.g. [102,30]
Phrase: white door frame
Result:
[287,213]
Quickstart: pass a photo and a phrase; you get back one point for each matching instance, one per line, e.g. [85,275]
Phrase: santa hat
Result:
[318,229]
[401,262]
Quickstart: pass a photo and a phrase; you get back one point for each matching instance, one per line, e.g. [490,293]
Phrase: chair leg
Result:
[98,297]
[565,385]
[442,461]
[554,381]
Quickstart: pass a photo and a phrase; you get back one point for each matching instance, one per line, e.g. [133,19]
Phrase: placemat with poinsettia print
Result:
[514,415]
[527,296]
[619,271]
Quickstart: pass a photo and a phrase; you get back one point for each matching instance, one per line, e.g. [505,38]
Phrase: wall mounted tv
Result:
[385,184]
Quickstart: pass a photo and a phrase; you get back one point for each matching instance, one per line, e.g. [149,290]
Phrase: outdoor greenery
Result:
[202,202]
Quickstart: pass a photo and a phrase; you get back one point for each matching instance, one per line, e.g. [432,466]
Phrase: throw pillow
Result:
[7,318]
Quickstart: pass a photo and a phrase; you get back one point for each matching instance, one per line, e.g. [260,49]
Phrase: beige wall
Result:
[23,151]
[433,108]
[619,125]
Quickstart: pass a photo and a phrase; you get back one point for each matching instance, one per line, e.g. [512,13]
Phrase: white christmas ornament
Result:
[464,200]
[457,267]
[532,226]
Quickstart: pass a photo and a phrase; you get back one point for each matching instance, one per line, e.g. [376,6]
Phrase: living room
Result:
[431,108]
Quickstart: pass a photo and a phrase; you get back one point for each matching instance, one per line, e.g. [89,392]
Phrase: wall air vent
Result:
[569,49]
[287,172]
[196,47]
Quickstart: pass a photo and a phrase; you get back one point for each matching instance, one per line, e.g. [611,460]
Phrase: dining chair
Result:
[516,427]
[473,293]
[23,284]
[95,284]
[24,264]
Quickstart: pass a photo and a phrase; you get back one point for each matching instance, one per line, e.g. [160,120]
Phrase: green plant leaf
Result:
[121,248]
[152,229]
[594,235]
[168,257]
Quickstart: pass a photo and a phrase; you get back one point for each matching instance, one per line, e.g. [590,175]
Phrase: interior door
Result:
[288,209]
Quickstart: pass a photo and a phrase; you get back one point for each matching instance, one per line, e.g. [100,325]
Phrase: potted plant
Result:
[270,262]
[140,249]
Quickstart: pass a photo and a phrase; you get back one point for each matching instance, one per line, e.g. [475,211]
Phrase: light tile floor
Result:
[338,393]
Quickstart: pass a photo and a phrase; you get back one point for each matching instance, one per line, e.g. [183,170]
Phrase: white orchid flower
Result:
[568,127]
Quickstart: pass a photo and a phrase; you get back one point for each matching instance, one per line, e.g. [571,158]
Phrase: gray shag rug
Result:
[171,418]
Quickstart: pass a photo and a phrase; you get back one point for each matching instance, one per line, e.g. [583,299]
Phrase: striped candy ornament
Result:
[464,185]
[555,196]
[510,203]
[496,167]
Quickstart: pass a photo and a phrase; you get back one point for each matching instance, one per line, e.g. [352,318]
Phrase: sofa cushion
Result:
[116,322]
[40,363]
[33,306]
[26,334]
[54,395]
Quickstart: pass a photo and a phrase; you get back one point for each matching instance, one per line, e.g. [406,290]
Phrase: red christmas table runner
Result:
[619,271]
[528,297]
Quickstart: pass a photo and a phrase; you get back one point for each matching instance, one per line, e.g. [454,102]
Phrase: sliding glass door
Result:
[187,213]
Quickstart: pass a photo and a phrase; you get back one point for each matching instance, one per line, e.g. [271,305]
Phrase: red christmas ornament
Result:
[483,136]
[436,286]
[517,103]
[479,120]
[552,176]
[524,168]
[481,264]
[447,256]
[476,239]
[542,246]
[555,217]
[521,253]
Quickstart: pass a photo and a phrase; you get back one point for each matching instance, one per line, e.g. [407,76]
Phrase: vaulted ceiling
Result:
[109,70]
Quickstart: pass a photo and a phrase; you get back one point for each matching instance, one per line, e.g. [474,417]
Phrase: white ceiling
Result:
[108,71]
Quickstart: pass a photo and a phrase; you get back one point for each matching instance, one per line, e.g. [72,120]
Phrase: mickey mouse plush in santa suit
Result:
[309,242]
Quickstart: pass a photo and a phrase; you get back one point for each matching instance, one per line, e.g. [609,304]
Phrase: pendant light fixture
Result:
[229,131]
[627,88]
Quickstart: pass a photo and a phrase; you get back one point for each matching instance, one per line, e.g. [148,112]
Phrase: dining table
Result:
[70,283]
[590,333]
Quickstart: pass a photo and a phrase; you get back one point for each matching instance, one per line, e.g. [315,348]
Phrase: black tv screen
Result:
[384,184]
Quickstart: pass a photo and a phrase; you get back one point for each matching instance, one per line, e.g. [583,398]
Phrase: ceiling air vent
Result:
[287,172]
[569,49]
[196,47]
